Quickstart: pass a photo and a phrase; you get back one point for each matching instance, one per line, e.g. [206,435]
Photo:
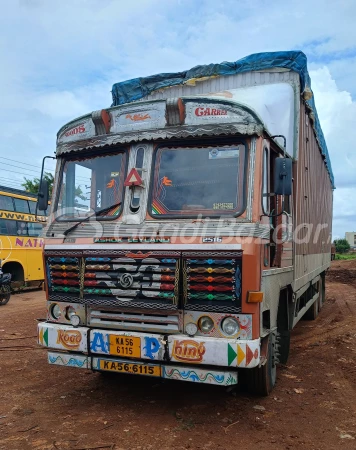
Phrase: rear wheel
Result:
[261,380]
[313,311]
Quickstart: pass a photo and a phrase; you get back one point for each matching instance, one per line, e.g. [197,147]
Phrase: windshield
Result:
[189,181]
[92,184]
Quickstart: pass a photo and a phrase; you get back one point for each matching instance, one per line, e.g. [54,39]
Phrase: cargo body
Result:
[171,251]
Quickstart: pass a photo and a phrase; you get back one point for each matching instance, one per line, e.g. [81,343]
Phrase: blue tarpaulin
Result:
[137,88]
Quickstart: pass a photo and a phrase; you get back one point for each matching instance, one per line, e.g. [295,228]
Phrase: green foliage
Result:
[342,246]
[79,193]
[33,185]
[347,256]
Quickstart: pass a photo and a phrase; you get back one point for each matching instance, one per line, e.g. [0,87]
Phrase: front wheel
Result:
[261,380]
[5,293]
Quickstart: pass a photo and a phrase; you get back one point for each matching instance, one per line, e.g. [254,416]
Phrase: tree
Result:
[33,186]
[342,246]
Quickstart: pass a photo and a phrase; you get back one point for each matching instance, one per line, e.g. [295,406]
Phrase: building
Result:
[350,236]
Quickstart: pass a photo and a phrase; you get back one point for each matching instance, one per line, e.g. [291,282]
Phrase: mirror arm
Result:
[40,193]
[284,142]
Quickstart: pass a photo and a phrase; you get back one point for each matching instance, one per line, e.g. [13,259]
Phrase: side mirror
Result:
[283,176]
[43,196]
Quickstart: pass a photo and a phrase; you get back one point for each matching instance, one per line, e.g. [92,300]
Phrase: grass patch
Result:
[345,256]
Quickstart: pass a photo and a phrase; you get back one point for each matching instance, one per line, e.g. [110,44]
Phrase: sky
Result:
[59,60]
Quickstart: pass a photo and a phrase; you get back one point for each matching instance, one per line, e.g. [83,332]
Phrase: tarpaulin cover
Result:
[137,88]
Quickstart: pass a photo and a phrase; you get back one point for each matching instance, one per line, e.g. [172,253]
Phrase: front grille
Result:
[63,275]
[212,283]
[163,281]
[134,321]
[133,279]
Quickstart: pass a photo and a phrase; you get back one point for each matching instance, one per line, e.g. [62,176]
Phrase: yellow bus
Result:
[21,240]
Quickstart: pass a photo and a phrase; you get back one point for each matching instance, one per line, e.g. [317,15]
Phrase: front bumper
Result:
[177,356]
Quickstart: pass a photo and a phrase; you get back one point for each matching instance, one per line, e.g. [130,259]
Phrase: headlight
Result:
[191,329]
[69,312]
[230,326]
[206,324]
[56,311]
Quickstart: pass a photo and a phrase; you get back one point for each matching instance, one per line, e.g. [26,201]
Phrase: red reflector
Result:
[133,179]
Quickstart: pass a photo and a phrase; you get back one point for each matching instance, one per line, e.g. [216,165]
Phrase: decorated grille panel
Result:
[153,280]
[129,279]
[213,283]
[63,275]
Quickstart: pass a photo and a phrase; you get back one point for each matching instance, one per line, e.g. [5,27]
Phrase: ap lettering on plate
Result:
[100,341]
[151,347]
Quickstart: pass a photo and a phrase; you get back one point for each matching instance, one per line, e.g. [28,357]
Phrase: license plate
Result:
[125,346]
[138,369]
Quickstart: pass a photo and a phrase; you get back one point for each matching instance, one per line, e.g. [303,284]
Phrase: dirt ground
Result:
[313,405]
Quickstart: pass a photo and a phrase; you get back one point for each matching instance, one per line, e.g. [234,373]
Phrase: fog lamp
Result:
[74,320]
[191,328]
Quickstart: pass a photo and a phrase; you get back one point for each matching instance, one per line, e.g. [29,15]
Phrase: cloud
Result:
[337,113]
[59,61]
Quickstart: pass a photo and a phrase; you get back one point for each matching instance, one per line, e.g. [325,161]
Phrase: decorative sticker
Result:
[224,153]
[188,351]
[207,111]
[111,184]
[244,354]
[216,352]
[68,360]
[197,113]
[200,375]
[70,339]
[80,130]
[166,181]
[62,336]
[138,117]
[229,205]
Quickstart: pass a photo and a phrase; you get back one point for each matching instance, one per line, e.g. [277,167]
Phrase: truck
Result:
[204,228]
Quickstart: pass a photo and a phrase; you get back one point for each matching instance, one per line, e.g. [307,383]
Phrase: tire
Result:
[261,380]
[5,293]
[313,311]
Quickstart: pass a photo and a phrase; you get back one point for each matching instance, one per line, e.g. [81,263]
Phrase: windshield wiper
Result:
[95,214]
